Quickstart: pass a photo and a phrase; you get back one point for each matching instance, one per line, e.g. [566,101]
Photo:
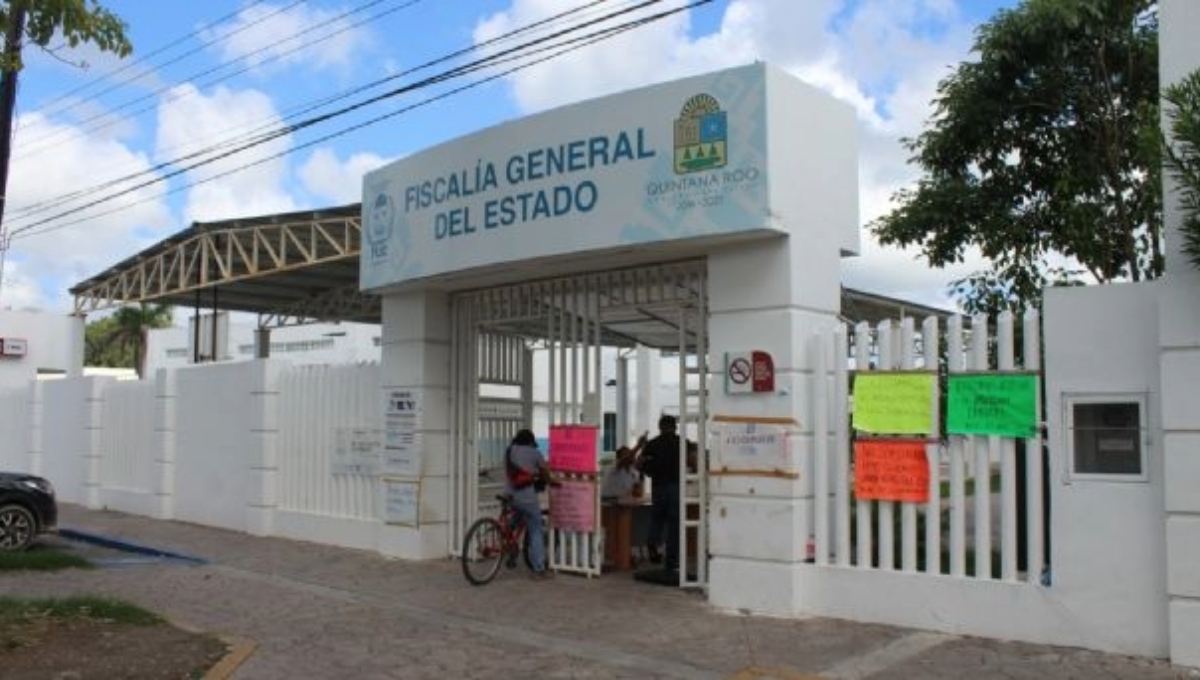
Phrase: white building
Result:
[37,344]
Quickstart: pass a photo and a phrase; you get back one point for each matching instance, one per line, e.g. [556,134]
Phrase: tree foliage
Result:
[73,21]
[1045,146]
[119,340]
[1183,157]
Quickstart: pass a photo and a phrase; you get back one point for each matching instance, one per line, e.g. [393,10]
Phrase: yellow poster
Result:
[894,403]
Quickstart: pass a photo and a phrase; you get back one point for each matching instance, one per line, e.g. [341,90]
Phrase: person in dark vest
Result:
[660,462]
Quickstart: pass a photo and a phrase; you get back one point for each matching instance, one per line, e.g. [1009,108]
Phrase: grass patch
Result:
[27,623]
[15,610]
[37,559]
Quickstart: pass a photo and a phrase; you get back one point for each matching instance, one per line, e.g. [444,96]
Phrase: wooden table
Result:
[618,520]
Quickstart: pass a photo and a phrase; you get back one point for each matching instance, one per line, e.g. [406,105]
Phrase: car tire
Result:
[17,528]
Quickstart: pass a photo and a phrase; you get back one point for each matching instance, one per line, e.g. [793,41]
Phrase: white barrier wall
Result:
[128,477]
[68,438]
[14,429]
[324,410]
[225,458]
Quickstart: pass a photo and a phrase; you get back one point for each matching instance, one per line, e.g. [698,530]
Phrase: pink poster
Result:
[573,448]
[573,505]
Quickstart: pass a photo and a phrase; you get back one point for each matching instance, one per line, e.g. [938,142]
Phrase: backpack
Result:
[521,478]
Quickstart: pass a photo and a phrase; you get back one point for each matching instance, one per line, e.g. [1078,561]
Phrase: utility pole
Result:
[9,68]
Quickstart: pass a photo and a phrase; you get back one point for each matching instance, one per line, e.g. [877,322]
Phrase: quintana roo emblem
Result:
[381,216]
[700,135]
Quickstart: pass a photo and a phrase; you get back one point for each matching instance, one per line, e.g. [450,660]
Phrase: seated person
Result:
[620,480]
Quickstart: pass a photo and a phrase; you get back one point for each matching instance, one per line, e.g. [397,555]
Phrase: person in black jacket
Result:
[660,462]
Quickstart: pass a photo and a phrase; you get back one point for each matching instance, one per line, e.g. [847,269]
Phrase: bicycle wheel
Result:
[483,551]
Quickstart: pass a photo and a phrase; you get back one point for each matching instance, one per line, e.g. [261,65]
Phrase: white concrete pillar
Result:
[649,377]
[262,467]
[93,410]
[37,415]
[415,353]
[773,295]
[76,345]
[165,393]
[761,297]
[1179,333]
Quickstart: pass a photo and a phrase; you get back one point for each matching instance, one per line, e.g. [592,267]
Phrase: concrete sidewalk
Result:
[320,612]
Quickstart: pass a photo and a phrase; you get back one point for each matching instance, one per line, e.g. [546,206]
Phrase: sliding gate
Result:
[537,354]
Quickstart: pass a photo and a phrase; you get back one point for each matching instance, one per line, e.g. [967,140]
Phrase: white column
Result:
[75,345]
[165,435]
[773,295]
[649,377]
[761,298]
[1179,332]
[415,351]
[262,488]
[93,413]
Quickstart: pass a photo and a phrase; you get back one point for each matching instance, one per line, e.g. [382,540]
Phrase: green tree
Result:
[119,340]
[1183,156]
[1047,145]
[72,21]
[39,22]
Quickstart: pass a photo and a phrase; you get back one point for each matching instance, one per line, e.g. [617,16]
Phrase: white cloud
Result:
[883,57]
[269,37]
[252,182]
[99,236]
[329,178]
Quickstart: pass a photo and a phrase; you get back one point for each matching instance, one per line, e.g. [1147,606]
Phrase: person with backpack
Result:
[526,473]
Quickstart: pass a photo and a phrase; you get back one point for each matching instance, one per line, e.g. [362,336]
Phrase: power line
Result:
[501,57]
[49,204]
[263,134]
[32,148]
[48,109]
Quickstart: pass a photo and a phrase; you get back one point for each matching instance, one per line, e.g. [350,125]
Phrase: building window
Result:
[1107,436]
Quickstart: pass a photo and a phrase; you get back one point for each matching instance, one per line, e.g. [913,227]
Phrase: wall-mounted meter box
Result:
[13,347]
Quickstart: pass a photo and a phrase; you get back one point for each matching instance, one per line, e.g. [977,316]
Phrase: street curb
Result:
[240,649]
[126,546]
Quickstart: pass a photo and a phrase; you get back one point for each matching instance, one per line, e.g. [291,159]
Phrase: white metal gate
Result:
[560,329]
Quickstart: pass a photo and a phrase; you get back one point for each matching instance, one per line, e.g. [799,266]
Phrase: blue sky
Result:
[204,75]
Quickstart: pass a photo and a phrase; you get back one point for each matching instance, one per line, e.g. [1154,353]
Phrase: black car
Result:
[27,508]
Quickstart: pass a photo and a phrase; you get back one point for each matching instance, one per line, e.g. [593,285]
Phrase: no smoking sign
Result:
[749,372]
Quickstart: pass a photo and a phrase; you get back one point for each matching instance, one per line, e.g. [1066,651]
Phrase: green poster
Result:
[894,403]
[992,403]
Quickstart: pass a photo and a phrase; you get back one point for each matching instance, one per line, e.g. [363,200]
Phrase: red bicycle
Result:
[494,540]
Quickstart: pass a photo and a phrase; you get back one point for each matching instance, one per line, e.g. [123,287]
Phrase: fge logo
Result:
[381,214]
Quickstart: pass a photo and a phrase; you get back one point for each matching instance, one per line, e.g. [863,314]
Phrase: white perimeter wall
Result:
[225,445]
[1108,558]
[247,446]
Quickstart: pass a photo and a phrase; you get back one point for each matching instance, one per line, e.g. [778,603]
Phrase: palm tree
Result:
[127,331]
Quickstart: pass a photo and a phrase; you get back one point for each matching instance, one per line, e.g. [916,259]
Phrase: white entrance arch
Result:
[747,172]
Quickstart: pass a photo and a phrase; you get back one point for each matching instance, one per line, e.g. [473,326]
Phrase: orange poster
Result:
[891,470]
